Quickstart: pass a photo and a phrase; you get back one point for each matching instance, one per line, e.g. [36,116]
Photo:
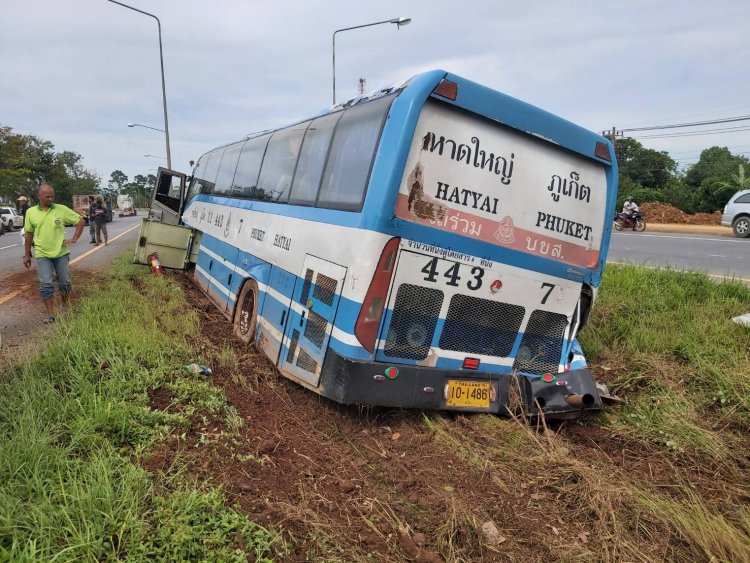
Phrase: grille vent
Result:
[412,327]
[306,362]
[292,346]
[315,329]
[541,346]
[481,326]
[306,286]
[325,289]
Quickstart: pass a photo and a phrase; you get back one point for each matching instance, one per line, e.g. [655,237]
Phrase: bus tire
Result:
[246,313]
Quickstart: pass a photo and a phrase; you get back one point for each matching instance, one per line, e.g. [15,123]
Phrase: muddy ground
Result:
[345,483]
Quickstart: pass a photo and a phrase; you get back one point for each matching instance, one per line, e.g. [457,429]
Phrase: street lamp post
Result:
[163,86]
[146,126]
[398,21]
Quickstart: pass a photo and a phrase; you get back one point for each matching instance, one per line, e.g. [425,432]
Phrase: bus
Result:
[435,244]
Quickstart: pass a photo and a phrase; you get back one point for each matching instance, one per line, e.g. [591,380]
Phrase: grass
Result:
[671,335]
[663,478]
[74,421]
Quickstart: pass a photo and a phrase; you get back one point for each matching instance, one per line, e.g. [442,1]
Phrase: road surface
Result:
[715,255]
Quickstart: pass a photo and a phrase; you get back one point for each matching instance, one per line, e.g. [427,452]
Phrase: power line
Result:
[694,133]
[693,124]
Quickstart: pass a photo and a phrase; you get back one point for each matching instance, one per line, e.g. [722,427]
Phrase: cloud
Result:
[76,73]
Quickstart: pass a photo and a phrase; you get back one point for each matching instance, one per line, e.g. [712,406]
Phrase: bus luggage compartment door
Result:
[310,319]
[171,242]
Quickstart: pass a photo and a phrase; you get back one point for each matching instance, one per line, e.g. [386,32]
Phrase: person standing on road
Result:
[45,228]
[100,218]
[92,212]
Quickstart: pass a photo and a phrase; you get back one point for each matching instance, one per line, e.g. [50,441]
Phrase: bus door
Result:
[162,233]
[310,319]
[168,198]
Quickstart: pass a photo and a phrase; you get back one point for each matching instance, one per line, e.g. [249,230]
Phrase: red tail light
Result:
[368,321]
[447,89]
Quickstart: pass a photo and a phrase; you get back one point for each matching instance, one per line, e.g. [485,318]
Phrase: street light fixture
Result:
[163,86]
[146,126]
[398,21]
[154,156]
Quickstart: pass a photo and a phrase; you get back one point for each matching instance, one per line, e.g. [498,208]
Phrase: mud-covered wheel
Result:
[246,314]
[741,227]
[640,225]
[618,224]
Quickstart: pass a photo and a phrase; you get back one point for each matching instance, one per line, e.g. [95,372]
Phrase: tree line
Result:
[26,161]
[647,175]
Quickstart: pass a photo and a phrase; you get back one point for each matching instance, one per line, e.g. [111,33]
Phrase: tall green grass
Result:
[73,419]
[670,341]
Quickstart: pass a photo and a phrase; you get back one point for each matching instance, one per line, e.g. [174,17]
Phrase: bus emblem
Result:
[504,233]
[496,286]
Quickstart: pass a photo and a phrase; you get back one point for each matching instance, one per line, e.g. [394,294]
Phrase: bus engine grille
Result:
[541,346]
[415,315]
[481,326]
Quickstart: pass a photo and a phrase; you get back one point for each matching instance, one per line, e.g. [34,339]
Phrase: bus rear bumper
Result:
[568,395]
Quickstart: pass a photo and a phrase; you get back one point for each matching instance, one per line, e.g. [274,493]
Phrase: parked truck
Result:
[125,206]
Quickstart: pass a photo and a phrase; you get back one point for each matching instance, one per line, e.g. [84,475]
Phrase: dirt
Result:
[380,484]
[662,213]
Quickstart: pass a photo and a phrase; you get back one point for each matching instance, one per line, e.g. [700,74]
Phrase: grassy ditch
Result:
[76,421]
[667,340]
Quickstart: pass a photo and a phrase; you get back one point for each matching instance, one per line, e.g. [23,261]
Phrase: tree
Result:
[117,181]
[641,167]
[26,162]
[739,182]
[709,177]
[714,163]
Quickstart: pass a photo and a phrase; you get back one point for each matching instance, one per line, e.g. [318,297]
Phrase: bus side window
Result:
[279,163]
[312,159]
[227,168]
[245,182]
[352,153]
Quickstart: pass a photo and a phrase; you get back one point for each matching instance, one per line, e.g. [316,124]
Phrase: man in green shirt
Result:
[45,227]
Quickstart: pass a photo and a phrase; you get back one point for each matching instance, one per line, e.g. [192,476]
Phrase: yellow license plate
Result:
[468,394]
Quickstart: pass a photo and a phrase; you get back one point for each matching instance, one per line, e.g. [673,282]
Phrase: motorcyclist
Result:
[629,209]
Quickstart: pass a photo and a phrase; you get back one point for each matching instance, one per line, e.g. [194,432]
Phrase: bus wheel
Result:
[246,314]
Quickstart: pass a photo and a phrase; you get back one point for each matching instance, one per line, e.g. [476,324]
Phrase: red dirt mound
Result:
[662,213]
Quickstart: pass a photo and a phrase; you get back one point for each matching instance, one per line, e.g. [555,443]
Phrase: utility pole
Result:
[613,134]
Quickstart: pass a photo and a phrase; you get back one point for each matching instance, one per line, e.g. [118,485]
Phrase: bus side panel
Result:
[203,267]
[343,340]
[276,298]
[221,260]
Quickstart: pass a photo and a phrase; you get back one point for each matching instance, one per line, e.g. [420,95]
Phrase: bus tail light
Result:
[447,89]
[602,151]
[368,321]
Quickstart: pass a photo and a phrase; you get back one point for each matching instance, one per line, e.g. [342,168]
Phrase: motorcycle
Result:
[636,221]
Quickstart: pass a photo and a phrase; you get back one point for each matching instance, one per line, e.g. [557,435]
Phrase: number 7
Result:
[551,287]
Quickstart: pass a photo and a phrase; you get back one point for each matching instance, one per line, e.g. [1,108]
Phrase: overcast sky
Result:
[76,72]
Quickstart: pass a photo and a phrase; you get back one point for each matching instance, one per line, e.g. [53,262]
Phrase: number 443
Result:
[453,275]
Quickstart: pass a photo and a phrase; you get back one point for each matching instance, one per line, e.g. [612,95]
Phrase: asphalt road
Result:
[715,255]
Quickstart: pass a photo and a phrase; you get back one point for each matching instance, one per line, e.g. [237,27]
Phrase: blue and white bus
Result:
[436,244]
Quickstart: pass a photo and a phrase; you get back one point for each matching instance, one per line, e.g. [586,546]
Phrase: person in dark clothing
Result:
[92,212]
[100,219]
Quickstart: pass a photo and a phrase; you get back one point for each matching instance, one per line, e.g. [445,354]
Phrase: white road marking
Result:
[10,246]
[717,239]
